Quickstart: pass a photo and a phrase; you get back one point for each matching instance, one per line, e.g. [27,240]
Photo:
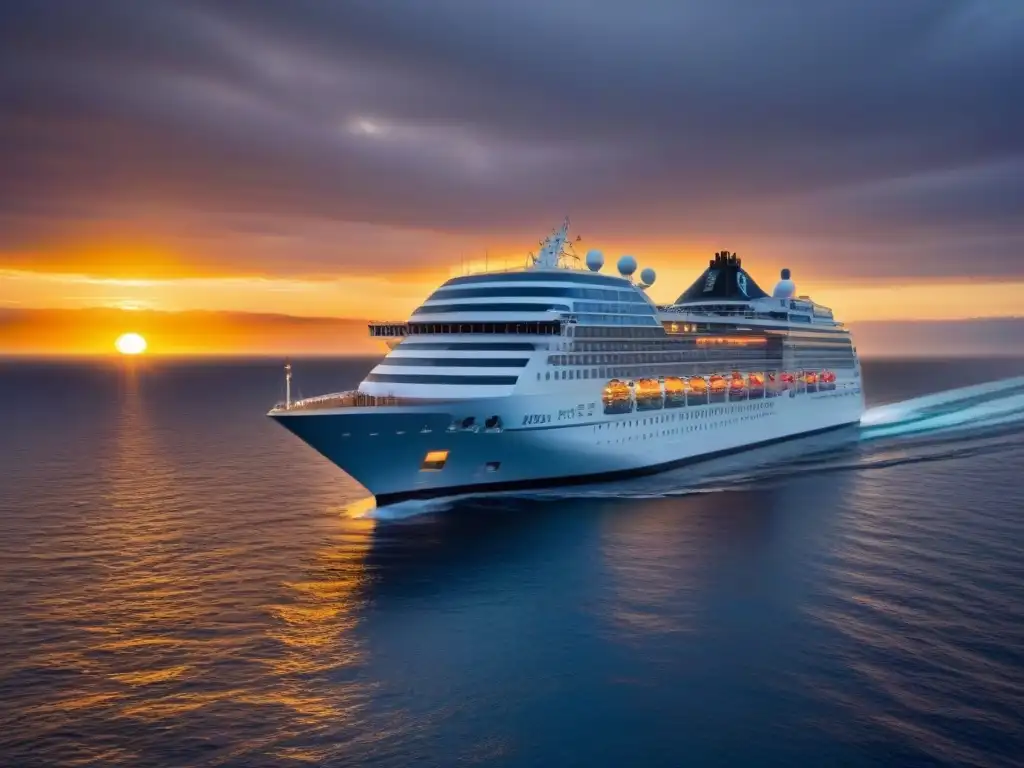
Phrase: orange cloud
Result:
[93,332]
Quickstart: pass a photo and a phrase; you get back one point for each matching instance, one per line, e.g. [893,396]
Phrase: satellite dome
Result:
[648,276]
[627,266]
[785,288]
[595,260]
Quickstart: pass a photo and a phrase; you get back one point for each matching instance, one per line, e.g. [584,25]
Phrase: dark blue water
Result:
[184,583]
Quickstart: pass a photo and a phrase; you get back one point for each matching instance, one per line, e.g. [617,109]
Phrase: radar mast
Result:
[556,251]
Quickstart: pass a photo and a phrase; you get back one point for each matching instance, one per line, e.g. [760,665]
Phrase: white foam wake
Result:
[990,404]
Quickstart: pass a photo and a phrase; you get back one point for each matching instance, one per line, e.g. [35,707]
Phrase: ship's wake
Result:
[956,423]
[982,406]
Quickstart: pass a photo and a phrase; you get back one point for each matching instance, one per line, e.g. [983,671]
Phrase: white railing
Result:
[350,399]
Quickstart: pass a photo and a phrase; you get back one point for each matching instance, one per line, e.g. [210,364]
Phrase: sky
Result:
[304,166]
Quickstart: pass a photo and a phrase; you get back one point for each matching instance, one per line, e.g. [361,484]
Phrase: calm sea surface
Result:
[184,583]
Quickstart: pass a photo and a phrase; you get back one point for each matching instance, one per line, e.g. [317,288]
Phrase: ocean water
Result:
[183,583]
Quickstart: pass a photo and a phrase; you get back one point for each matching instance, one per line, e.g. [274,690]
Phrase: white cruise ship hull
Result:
[551,439]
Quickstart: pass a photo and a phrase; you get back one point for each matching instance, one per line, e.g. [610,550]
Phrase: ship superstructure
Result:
[552,374]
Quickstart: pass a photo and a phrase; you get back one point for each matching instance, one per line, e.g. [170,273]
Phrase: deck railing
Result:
[351,399]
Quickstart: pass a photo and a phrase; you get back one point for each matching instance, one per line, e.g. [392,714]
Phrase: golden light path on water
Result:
[151,633]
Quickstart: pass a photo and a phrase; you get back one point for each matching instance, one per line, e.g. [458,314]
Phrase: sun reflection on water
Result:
[172,618]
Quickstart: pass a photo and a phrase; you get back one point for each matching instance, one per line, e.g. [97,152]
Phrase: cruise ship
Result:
[558,373]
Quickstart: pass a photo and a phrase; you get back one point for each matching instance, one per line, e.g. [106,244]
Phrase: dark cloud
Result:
[842,121]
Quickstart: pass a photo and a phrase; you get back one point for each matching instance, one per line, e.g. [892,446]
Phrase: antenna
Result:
[288,385]
[553,249]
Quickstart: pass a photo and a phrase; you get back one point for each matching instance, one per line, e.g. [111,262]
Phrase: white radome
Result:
[785,288]
[595,260]
[627,265]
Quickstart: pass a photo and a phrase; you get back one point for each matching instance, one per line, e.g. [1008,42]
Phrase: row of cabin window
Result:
[711,355]
[616,309]
[620,372]
[599,332]
[514,291]
[439,309]
[672,345]
[533,328]
[509,278]
[662,357]
[602,320]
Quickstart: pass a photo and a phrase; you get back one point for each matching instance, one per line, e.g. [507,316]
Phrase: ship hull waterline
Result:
[384,449]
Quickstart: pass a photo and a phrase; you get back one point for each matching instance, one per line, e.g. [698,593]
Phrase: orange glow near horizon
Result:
[386,297]
[43,311]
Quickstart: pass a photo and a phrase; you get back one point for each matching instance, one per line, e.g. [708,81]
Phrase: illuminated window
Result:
[434,461]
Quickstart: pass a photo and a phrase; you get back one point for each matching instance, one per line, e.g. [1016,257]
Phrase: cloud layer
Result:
[296,137]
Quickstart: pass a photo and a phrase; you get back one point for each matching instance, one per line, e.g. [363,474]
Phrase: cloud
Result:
[57,332]
[253,135]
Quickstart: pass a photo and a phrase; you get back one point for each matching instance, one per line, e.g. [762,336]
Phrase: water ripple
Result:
[184,584]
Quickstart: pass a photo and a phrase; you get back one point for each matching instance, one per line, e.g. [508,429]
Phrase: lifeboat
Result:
[810,378]
[737,386]
[698,394]
[648,395]
[719,388]
[828,380]
[616,397]
[675,392]
[756,384]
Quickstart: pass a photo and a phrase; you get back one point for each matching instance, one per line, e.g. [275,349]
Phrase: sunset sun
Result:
[130,344]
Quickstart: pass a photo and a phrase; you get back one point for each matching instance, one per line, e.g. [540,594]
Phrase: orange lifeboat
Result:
[756,381]
[810,377]
[648,388]
[648,394]
[674,385]
[697,390]
[675,392]
[737,381]
[719,388]
[616,397]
